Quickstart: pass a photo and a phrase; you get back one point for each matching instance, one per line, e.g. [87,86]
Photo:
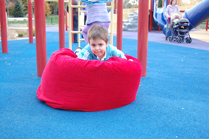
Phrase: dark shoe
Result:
[166,38]
[77,50]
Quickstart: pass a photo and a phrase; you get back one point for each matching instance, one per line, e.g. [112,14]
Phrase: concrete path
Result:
[158,36]
[200,37]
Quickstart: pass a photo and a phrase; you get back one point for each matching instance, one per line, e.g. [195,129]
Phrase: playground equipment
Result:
[3,27]
[195,15]
[79,32]
[71,83]
[30,21]
[39,6]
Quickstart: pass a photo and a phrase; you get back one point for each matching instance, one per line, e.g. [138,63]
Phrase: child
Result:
[98,47]
[96,14]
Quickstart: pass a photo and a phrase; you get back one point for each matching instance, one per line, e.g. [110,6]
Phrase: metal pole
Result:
[112,23]
[143,12]
[115,6]
[70,23]
[40,27]
[150,15]
[79,35]
[30,21]
[66,19]
[168,2]
[3,27]
[119,24]
[61,24]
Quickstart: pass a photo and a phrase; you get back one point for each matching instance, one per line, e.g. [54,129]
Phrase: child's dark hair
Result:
[171,2]
[98,32]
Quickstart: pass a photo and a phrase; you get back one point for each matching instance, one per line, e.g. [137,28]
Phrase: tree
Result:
[9,6]
[47,9]
[18,10]
[54,7]
[127,4]
[24,5]
[160,3]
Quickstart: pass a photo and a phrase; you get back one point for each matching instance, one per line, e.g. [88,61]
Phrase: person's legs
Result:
[84,23]
[171,33]
[85,19]
[85,31]
[167,30]
[106,24]
[75,28]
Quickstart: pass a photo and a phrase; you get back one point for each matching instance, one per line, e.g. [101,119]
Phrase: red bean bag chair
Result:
[82,85]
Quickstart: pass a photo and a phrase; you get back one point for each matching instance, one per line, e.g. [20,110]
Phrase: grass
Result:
[203,26]
[20,35]
[50,20]
[17,22]
[54,20]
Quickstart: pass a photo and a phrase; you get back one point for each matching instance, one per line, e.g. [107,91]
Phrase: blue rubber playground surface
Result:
[172,101]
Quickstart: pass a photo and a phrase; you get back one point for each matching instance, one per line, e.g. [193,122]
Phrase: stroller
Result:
[180,28]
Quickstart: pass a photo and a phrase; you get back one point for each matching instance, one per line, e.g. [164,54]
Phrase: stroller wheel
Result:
[170,38]
[182,39]
[178,39]
[188,40]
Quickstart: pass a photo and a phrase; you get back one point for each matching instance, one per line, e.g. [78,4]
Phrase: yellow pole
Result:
[79,10]
[112,22]
[70,23]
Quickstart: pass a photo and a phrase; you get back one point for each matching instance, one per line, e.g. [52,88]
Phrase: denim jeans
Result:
[75,28]
[169,32]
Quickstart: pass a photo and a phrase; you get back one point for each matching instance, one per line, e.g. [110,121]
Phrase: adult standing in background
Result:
[75,20]
[172,7]
[84,9]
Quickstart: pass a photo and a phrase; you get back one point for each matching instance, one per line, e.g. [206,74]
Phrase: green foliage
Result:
[127,4]
[52,20]
[20,34]
[18,10]
[10,7]
[54,7]
[34,32]
[160,3]
[47,9]
[17,22]
[24,5]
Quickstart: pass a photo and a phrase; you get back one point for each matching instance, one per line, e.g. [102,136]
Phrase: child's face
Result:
[98,47]
[173,2]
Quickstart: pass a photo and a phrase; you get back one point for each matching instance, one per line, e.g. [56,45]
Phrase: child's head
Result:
[98,40]
[173,2]
[98,32]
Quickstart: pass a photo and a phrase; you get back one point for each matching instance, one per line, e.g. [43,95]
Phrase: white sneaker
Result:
[77,50]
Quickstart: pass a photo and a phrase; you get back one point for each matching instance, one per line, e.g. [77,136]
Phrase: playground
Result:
[172,101]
